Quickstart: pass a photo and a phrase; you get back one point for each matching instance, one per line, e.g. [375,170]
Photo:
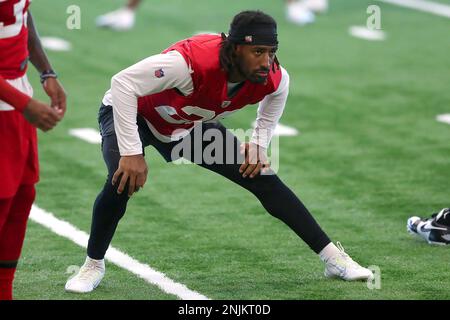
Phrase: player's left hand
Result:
[57,95]
[255,160]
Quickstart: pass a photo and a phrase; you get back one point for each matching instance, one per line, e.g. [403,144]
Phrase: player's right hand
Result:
[41,115]
[133,169]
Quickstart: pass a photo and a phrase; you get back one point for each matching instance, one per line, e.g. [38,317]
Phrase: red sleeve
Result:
[12,96]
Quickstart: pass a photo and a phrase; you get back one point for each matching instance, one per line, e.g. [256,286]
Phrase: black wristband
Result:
[48,74]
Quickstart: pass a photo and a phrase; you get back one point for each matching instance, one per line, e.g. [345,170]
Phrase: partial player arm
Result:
[12,96]
[152,75]
[141,80]
[37,113]
[269,113]
[40,61]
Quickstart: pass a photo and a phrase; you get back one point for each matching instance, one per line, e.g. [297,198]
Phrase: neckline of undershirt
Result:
[232,86]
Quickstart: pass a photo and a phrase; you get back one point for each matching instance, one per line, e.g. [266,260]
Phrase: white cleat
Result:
[434,230]
[318,6]
[88,277]
[298,13]
[119,20]
[343,267]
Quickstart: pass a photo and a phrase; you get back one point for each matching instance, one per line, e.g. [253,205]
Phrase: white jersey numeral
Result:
[204,114]
[12,30]
[167,113]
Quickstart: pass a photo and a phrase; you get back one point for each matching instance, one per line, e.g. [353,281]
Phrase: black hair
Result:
[243,19]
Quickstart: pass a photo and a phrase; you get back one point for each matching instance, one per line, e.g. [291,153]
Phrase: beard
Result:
[259,76]
[258,79]
[253,76]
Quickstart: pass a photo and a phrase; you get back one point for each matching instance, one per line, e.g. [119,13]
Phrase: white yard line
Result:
[55,44]
[438,9]
[66,230]
[282,130]
[445,118]
[93,136]
[206,32]
[87,134]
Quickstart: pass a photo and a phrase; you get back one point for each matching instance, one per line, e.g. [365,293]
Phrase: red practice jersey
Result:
[13,38]
[169,110]
[18,146]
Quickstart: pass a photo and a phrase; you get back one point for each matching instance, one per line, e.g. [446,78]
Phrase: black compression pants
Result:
[274,195]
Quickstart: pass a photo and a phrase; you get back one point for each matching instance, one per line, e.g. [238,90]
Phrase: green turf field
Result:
[370,155]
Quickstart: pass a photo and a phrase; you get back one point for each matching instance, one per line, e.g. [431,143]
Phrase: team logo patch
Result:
[248,39]
[226,104]
[159,73]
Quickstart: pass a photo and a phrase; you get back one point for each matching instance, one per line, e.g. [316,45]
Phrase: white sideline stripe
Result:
[66,230]
[87,134]
[282,130]
[438,9]
[364,33]
[445,118]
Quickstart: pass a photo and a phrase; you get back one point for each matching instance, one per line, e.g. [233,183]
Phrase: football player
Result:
[166,99]
[435,230]
[20,115]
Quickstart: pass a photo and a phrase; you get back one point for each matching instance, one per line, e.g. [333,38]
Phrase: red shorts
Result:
[18,153]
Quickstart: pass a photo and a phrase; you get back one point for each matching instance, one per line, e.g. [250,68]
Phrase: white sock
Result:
[329,251]
[98,263]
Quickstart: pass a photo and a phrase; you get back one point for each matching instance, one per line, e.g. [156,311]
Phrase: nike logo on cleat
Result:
[429,228]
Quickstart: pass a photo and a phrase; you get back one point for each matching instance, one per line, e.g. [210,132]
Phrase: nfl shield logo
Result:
[159,73]
[226,104]
[248,39]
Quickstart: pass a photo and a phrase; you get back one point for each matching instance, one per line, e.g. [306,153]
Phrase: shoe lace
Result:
[86,271]
[344,258]
[340,247]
